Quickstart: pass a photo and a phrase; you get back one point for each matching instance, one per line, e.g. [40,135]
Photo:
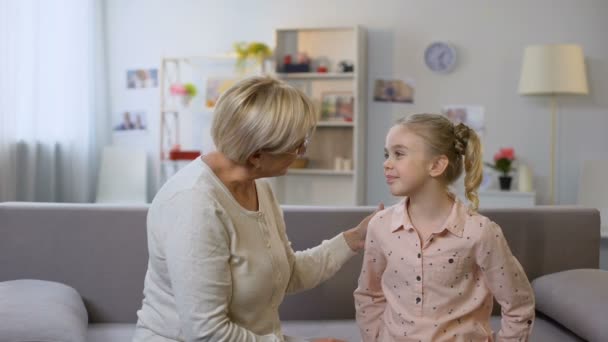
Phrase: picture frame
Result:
[470,115]
[337,106]
[130,120]
[394,90]
[142,78]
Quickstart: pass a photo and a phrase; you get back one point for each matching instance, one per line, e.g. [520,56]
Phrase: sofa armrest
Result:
[577,299]
[36,310]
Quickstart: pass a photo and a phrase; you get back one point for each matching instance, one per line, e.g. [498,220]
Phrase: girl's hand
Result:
[355,237]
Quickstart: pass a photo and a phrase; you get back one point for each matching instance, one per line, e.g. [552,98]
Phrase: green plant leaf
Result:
[190,89]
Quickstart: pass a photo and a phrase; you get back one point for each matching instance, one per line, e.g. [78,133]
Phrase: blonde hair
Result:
[459,143]
[261,113]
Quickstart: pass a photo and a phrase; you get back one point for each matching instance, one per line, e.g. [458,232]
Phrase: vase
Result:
[505,182]
[524,181]
[186,100]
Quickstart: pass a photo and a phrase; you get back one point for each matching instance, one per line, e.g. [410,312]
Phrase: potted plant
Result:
[503,163]
[254,50]
[186,91]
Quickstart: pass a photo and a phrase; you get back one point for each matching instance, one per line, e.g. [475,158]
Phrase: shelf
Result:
[509,193]
[335,124]
[315,75]
[180,155]
[335,139]
[326,172]
[314,29]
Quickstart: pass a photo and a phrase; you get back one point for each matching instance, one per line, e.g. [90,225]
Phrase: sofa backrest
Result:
[544,240]
[101,251]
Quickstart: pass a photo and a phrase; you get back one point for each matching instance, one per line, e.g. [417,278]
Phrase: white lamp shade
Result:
[553,69]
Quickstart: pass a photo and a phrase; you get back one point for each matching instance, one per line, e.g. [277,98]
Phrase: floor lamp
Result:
[553,70]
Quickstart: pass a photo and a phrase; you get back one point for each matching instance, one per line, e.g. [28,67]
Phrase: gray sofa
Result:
[100,251]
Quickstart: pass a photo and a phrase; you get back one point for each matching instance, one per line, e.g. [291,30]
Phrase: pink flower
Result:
[503,160]
[508,153]
[505,153]
[178,89]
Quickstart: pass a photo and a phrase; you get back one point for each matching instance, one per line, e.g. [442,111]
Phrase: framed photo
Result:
[142,78]
[337,106]
[394,91]
[130,121]
[472,116]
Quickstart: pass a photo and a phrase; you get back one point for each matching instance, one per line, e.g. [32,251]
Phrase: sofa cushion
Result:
[544,330]
[114,332]
[36,310]
[577,299]
[346,330]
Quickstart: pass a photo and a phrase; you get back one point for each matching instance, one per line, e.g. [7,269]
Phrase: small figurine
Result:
[287,59]
[302,63]
[302,58]
[346,66]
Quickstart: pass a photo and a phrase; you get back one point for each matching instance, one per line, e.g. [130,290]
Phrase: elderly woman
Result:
[220,262]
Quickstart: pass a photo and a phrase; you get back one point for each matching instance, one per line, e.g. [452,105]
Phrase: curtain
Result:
[52,99]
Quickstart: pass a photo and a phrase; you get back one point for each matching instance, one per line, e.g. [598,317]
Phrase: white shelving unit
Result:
[188,124]
[321,183]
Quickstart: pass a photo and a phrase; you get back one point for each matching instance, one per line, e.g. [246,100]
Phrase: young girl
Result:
[432,265]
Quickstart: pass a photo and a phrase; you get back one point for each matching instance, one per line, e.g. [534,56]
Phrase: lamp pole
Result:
[553,104]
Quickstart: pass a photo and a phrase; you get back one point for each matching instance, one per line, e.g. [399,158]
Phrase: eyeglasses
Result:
[300,150]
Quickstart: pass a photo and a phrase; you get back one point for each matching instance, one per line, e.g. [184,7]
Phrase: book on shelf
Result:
[183,155]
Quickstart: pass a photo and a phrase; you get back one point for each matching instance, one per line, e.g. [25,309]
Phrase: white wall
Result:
[489,35]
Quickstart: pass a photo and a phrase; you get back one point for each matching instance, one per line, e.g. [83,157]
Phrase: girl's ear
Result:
[438,165]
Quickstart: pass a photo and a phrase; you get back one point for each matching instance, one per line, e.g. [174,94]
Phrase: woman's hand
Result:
[327,340]
[355,237]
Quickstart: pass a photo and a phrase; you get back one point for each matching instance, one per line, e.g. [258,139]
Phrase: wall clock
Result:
[440,57]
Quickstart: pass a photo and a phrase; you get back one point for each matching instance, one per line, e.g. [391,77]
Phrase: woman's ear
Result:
[438,165]
[255,160]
